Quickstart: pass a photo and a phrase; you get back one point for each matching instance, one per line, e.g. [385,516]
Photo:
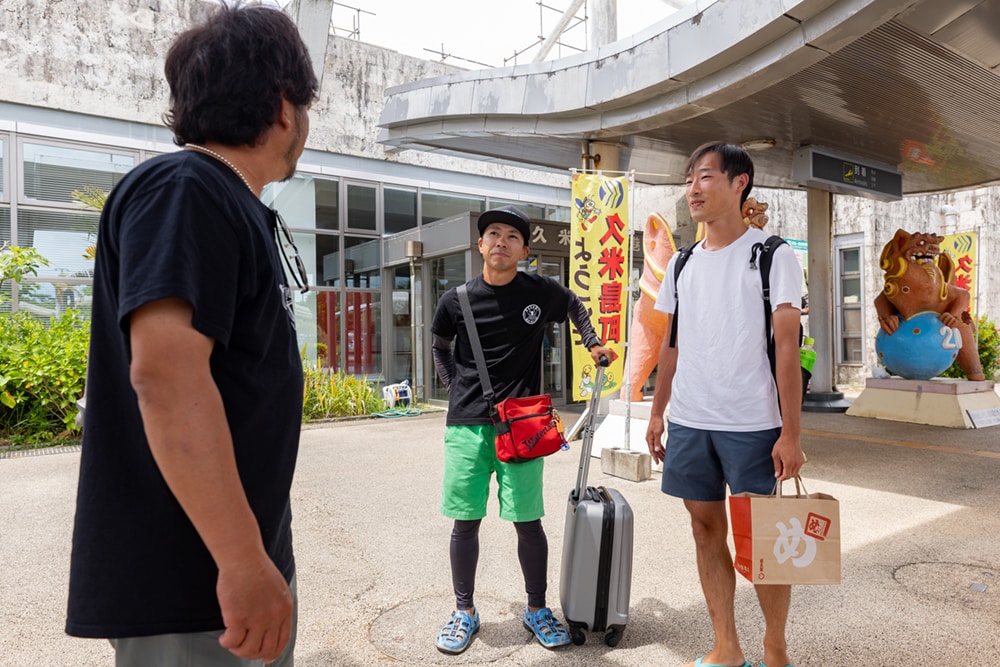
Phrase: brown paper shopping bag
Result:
[787,539]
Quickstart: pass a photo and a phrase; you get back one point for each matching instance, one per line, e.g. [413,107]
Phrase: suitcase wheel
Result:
[614,635]
[576,632]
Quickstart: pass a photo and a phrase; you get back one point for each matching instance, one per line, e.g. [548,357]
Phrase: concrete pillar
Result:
[313,18]
[823,395]
[603,24]
[604,156]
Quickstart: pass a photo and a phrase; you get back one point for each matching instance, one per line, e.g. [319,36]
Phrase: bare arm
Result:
[787,452]
[185,424]
[666,366]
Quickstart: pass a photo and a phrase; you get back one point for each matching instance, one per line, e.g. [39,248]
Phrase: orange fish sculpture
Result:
[649,325]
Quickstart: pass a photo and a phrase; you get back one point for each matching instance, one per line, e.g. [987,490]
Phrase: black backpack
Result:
[760,259]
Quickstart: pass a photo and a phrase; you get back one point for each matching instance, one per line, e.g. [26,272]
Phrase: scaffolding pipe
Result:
[557,32]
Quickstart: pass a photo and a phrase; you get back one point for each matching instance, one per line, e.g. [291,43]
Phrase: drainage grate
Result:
[964,585]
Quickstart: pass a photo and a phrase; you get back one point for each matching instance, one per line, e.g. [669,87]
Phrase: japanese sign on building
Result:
[598,269]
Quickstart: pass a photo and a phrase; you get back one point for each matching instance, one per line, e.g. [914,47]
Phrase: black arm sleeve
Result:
[444,359]
[578,315]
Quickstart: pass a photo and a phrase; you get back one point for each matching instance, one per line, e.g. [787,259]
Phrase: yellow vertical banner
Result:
[964,250]
[598,273]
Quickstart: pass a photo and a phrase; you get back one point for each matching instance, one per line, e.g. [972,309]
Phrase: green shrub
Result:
[44,365]
[337,394]
[989,351]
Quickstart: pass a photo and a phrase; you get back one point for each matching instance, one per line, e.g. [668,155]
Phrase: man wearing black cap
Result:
[511,309]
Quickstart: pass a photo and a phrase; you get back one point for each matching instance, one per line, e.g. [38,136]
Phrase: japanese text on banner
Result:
[963,250]
[598,273]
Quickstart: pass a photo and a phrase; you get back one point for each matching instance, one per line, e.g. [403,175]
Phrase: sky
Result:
[475,33]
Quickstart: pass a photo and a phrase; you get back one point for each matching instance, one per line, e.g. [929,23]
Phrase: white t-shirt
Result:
[723,380]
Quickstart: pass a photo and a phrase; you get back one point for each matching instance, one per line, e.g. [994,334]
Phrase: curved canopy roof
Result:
[909,84]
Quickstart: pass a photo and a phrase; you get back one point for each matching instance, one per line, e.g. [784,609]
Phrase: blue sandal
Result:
[549,632]
[456,635]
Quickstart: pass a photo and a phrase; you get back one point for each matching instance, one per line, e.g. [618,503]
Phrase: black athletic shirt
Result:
[510,321]
[181,225]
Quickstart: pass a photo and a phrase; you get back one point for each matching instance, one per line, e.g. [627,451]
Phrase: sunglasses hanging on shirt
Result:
[284,238]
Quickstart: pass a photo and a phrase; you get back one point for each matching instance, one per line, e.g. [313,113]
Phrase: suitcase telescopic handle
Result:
[588,430]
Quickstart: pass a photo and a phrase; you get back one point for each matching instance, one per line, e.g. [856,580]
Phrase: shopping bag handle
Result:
[800,488]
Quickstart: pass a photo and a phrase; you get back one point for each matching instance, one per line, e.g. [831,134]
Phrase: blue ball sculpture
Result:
[922,348]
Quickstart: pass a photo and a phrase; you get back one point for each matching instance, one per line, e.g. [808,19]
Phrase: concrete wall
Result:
[99,58]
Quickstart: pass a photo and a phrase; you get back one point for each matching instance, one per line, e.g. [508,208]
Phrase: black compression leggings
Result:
[532,552]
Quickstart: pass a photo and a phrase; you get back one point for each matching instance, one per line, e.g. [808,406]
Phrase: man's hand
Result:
[788,457]
[598,350]
[256,610]
[654,438]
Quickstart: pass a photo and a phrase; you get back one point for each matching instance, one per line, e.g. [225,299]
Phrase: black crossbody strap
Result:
[477,347]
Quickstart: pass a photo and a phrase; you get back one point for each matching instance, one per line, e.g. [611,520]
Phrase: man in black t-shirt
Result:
[511,309]
[182,546]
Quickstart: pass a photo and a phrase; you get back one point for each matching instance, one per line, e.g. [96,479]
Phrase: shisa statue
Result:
[649,326]
[919,278]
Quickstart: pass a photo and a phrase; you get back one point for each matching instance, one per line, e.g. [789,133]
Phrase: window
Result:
[400,209]
[327,259]
[533,211]
[849,299]
[3,171]
[60,237]
[361,213]
[362,262]
[52,173]
[560,214]
[437,205]
[363,325]
[7,286]
[327,204]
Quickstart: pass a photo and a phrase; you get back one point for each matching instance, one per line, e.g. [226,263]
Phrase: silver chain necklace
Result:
[222,158]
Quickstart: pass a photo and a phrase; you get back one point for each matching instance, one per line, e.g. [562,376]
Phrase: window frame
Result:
[138,157]
[849,242]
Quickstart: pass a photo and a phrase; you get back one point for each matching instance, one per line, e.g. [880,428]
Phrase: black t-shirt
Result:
[181,225]
[510,321]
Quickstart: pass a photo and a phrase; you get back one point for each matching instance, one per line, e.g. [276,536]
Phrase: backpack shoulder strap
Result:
[765,252]
[683,255]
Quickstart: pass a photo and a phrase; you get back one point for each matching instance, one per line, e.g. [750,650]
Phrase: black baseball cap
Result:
[508,215]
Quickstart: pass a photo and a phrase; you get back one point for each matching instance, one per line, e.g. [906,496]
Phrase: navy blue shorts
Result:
[699,464]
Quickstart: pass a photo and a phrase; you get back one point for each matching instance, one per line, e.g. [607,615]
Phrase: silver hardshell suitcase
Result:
[597,550]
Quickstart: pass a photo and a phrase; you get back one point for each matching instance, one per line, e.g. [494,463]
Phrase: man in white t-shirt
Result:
[725,426]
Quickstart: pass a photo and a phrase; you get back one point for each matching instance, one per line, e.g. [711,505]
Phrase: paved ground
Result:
[921,570]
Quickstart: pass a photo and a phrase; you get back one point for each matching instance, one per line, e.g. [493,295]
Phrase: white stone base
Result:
[611,432]
[627,464]
[937,402]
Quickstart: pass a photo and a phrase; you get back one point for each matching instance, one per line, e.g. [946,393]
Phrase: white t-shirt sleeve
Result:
[786,278]
[665,297]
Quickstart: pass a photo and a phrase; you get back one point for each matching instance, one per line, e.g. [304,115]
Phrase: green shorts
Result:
[470,459]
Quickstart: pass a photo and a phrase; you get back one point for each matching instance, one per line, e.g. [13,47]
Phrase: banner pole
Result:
[627,385]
